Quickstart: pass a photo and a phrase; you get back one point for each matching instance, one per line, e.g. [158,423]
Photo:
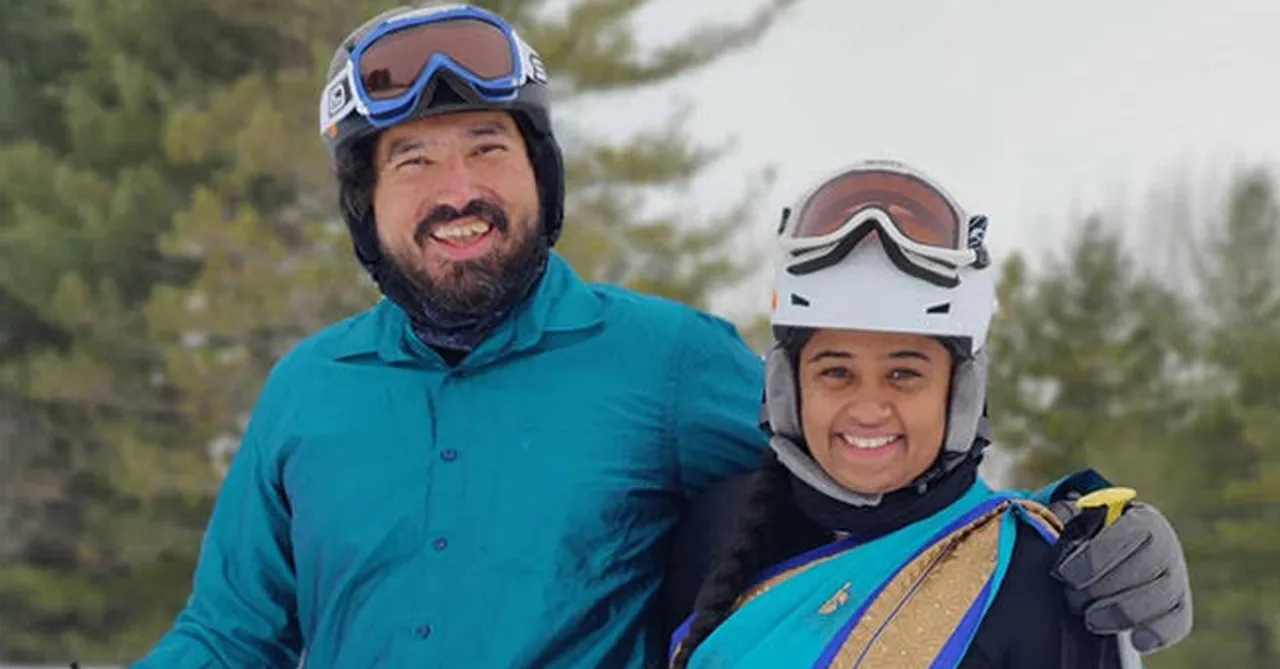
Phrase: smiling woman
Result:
[880,544]
[873,405]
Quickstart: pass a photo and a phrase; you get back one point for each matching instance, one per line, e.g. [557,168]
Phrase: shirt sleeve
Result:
[718,386]
[242,609]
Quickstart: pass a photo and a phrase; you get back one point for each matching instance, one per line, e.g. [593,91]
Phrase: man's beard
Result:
[480,286]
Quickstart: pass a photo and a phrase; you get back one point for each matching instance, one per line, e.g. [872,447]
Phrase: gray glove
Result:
[1130,575]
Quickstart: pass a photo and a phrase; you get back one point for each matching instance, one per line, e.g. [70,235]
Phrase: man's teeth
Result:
[868,442]
[462,230]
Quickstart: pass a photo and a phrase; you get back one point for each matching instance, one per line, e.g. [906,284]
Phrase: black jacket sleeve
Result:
[704,532]
[1029,625]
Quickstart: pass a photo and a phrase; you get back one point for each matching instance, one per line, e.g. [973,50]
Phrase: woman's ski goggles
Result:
[391,65]
[923,231]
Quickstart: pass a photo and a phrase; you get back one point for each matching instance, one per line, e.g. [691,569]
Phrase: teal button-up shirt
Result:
[386,510]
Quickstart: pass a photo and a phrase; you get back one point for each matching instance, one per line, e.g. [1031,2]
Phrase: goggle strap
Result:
[339,98]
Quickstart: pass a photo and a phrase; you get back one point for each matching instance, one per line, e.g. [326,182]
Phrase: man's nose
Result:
[453,183]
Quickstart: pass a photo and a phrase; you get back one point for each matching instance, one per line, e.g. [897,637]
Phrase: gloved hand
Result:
[1130,575]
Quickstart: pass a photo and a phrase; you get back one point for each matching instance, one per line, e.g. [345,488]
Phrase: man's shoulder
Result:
[303,379]
[634,309]
[353,335]
[624,302]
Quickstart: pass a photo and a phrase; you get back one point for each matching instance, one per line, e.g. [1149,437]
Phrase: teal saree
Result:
[910,599]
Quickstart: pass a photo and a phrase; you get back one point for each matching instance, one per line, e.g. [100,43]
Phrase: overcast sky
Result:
[1027,110]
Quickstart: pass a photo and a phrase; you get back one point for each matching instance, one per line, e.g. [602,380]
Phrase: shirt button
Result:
[422,631]
[449,455]
[440,544]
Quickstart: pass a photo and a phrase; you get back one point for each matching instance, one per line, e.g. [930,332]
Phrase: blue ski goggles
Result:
[391,66]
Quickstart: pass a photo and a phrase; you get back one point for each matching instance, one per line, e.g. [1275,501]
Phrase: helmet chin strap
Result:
[965,424]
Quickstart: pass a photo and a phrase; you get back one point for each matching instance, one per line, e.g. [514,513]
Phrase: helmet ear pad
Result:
[782,409]
[966,406]
[548,171]
[782,397]
[356,178]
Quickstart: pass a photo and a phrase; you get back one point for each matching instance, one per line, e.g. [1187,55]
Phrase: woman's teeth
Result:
[869,442]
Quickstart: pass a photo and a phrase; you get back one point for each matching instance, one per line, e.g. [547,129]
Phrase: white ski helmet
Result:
[881,247]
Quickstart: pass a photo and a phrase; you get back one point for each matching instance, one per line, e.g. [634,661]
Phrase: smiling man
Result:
[484,469]
[458,213]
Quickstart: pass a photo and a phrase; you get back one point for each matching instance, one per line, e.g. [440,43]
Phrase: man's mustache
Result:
[479,209]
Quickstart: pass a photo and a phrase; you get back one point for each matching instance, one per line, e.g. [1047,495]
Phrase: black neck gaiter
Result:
[896,509]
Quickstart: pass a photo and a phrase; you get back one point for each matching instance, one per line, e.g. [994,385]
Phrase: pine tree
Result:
[168,228]
[1166,379]
[1233,487]
[1086,357]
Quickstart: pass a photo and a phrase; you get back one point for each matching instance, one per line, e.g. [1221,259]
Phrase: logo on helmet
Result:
[977,231]
[533,66]
[337,101]
[337,97]
[537,71]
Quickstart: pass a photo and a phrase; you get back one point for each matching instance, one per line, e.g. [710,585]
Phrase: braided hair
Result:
[770,528]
